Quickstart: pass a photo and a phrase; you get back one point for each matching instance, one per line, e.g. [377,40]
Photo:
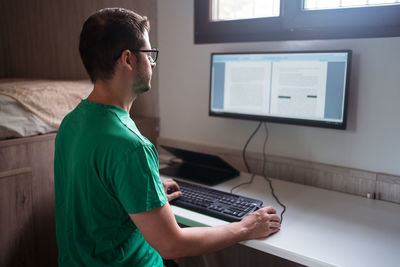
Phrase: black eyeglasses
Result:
[152,56]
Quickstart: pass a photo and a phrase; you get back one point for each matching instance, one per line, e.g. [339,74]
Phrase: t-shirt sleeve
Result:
[137,182]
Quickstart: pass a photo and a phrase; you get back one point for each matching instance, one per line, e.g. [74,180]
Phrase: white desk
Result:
[320,227]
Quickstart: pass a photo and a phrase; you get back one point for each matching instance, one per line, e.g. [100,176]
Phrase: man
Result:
[111,207]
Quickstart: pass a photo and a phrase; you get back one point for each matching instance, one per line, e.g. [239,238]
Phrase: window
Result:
[264,20]
[244,9]
[331,4]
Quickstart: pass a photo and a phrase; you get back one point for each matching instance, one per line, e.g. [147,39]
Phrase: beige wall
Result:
[39,39]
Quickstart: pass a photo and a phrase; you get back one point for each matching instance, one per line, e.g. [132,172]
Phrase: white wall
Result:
[371,141]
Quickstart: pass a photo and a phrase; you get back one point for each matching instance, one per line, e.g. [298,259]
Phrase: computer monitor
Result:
[305,87]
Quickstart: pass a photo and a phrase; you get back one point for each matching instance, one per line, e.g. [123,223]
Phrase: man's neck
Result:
[112,92]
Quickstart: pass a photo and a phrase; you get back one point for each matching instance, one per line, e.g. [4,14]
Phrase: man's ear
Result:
[127,59]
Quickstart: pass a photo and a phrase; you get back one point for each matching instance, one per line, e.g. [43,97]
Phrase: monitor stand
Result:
[199,167]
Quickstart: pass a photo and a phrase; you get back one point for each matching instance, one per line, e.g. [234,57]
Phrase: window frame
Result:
[298,24]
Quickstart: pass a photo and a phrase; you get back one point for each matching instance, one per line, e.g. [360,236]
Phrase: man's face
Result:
[143,71]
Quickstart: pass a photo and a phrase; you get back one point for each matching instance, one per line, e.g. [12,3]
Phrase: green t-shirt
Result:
[104,170]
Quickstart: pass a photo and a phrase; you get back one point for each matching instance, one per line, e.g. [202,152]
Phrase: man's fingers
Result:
[274,225]
[170,186]
[274,218]
[169,183]
[275,230]
[175,186]
[174,195]
[270,210]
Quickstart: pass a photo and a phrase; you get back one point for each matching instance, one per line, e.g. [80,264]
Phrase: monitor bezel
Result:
[304,122]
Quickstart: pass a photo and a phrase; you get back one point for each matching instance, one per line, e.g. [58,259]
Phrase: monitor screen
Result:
[305,88]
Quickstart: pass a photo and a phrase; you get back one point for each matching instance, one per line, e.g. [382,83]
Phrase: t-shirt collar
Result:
[122,115]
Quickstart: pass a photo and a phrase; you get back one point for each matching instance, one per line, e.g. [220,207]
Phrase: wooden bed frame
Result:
[27,220]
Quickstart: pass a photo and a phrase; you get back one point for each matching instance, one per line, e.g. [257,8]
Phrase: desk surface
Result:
[320,227]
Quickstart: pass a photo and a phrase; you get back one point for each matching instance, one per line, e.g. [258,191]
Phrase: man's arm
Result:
[161,230]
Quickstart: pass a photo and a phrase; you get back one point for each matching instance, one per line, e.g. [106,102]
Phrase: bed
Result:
[30,114]
[29,107]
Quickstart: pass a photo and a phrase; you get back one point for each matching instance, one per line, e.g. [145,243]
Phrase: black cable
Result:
[244,159]
[249,182]
[266,177]
[245,146]
[264,145]
[263,168]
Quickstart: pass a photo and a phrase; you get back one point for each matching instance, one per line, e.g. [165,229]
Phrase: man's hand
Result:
[161,230]
[261,223]
[173,186]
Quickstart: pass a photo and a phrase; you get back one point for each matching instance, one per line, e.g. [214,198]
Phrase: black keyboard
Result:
[215,203]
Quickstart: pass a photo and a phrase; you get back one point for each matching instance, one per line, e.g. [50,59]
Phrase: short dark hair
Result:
[105,34]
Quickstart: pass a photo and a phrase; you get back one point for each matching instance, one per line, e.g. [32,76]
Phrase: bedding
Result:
[16,121]
[30,107]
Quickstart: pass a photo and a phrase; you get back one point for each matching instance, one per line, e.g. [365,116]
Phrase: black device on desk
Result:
[198,167]
[215,203]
